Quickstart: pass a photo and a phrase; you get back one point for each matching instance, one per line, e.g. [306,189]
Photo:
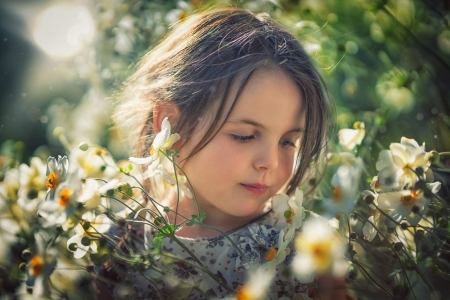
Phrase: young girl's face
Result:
[251,157]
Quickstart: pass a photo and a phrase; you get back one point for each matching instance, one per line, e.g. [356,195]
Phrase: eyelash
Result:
[248,138]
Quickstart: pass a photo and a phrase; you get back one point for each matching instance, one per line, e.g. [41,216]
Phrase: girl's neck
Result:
[215,218]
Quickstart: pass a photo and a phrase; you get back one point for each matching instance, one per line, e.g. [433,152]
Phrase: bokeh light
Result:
[62,30]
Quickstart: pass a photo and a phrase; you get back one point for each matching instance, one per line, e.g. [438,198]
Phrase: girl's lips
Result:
[257,189]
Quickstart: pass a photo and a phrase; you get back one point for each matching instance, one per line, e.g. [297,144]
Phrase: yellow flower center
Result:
[36,265]
[100,152]
[270,256]
[409,199]
[322,255]
[291,216]
[243,294]
[337,194]
[52,181]
[64,197]
[152,150]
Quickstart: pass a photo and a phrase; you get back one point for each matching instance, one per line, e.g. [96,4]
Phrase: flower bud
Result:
[58,131]
[86,225]
[443,222]
[26,254]
[369,199]
[83,146]
[126,190]
[435,157]
[23,267]
[85,241]
[72,247]
[398,246]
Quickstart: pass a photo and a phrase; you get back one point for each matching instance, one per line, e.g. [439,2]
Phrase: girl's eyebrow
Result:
[260,126]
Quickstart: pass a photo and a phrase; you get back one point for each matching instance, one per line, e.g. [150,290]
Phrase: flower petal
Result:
[141,160]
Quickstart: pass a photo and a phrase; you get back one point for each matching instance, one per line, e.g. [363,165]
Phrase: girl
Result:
[252,113]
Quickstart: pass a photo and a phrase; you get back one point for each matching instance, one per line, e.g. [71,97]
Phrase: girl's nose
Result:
[267,158]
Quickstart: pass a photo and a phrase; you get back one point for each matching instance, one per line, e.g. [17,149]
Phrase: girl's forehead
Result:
[269,95]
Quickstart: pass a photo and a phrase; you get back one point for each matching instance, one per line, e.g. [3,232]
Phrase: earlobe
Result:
[162,110]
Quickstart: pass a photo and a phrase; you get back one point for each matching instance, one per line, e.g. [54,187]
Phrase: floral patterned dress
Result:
[182,279]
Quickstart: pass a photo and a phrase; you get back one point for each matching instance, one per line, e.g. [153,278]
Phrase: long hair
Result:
[196,65]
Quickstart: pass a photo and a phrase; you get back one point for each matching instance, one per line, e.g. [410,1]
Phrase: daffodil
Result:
[319,251]
[349,138]
[163,141]
[397,165]
[87,234]
[409,204]
[291,210]
[56,173]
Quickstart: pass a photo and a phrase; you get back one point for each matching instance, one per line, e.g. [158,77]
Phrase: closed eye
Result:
[242,138]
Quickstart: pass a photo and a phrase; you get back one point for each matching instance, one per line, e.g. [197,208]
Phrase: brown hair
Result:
[198,62]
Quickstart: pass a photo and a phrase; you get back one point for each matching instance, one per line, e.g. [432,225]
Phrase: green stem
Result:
[189,182]
[404,271]
[373,280]
[178,192]
[421,275]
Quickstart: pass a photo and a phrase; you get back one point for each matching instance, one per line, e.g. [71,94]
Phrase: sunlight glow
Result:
[62,30]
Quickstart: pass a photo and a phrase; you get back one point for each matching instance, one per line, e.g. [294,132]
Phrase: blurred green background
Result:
[387,63]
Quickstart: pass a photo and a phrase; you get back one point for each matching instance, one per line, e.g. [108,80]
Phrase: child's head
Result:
[202,68]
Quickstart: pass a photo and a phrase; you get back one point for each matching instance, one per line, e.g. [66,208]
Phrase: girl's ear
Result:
[162,110]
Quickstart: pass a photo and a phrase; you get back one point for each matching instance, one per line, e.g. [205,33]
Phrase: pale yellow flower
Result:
[349,138]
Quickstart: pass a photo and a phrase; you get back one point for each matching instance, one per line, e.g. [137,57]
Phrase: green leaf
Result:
[195,220]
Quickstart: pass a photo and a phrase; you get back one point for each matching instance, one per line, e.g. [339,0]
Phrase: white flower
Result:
[56,173]
[375,184]
[89,194]
[277,256]
[87,234]
[319,251]
[167,173]
[376,219]
[40,266]
[10,184]
[64,204]
[345,185]
[398,164]
[291,209]
[163,141]
[95,162]
[349,138]
[32,189]
[256,286]
[409,204]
